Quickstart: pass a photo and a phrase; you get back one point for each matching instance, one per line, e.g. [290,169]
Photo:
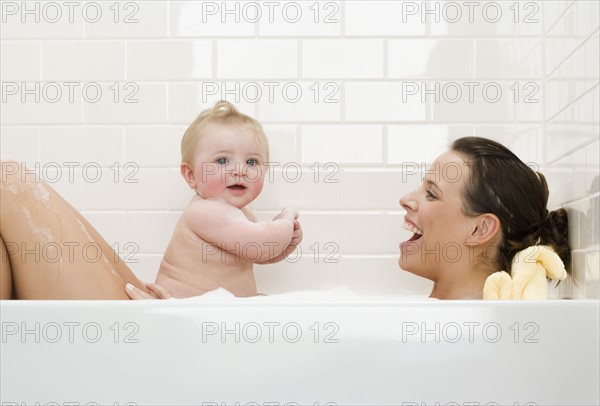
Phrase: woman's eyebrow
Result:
[434,185]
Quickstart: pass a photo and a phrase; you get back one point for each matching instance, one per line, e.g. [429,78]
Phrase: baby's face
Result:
[229,164]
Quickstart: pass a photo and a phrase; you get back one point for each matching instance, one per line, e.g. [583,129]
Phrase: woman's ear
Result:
[188,174]
[484,229]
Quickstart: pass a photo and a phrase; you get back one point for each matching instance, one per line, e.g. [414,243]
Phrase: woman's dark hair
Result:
[500,183]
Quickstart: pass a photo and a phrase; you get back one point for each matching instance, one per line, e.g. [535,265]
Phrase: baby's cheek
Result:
[256,185]
[255,174]
[213,185]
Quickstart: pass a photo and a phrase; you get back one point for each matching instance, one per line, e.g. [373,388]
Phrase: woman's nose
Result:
[407,202]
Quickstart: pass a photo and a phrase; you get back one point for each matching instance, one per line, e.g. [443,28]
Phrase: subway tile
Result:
[83,61]
[565,288]
[68,183]
[561,138]
[289,185]
[569,172]
[381,275]
[431,58]
[20,144]
[559,177]
[211,19]
[578,274]
[178,191]
[43,19]
[144,266]
[111,225]
[342,58]
[592,61]
[483,19]
[153,145]
[587,106]
[330,233]
[297,19]
[282,143]
[151,231]
[558,16]
[380,18]
[592,269]
[164,60]
[300,102]
[128,103]
[568,21]
[394,102]
[187,100]
[341,144]
[592,168]
[21,60]
[136,190]
[554,12]
[420,144]
[508,58]
[578,60]
[81,146]
[573,214]
[268,59]
[306,273]
[530,18]
[594,14]
[41,103]
[134,19]
[589,224]
[490,101]
[380,188]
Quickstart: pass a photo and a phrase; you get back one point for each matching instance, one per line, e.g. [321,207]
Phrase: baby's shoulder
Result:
[210,208]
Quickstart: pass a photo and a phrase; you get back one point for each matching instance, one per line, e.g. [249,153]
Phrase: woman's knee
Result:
[13,172]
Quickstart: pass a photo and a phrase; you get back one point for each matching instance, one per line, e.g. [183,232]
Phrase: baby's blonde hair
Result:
[222,112]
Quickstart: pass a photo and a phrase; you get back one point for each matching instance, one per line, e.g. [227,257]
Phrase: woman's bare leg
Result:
[6,288]
[54,252]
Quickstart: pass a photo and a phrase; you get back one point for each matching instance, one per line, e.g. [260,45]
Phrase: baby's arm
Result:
[228,228]
[296,240]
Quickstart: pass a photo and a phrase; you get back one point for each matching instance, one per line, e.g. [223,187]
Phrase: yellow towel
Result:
[529,270]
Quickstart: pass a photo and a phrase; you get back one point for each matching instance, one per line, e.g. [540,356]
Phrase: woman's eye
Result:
[251,162]
[430,195]
[221,161]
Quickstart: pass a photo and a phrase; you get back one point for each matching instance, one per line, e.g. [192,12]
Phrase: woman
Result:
[478,205]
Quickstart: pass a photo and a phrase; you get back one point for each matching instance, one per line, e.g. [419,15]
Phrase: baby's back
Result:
[192,265]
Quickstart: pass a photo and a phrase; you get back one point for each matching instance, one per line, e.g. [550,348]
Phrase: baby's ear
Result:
[483,229]
[188,174]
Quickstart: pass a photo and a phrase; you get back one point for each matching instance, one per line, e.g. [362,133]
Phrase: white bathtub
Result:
[360,352]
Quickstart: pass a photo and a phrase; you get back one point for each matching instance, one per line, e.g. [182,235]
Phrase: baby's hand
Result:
[297,235]
[288,214]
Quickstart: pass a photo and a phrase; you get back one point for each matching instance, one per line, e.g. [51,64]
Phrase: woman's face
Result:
[434,213]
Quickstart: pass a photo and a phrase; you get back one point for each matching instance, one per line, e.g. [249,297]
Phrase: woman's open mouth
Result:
[412,228]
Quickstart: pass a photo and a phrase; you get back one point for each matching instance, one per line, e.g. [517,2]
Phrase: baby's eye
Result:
[251,162]
[221,161]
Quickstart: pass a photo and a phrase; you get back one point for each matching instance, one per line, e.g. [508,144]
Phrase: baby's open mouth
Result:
[236,187]
[416,232]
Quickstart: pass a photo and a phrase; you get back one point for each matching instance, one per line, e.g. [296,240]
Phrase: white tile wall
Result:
[571,132]
[347,83]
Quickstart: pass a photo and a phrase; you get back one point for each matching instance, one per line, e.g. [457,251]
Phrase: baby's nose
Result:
[240,169]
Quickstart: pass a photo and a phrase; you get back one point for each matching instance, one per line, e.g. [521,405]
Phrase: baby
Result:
[217,239]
